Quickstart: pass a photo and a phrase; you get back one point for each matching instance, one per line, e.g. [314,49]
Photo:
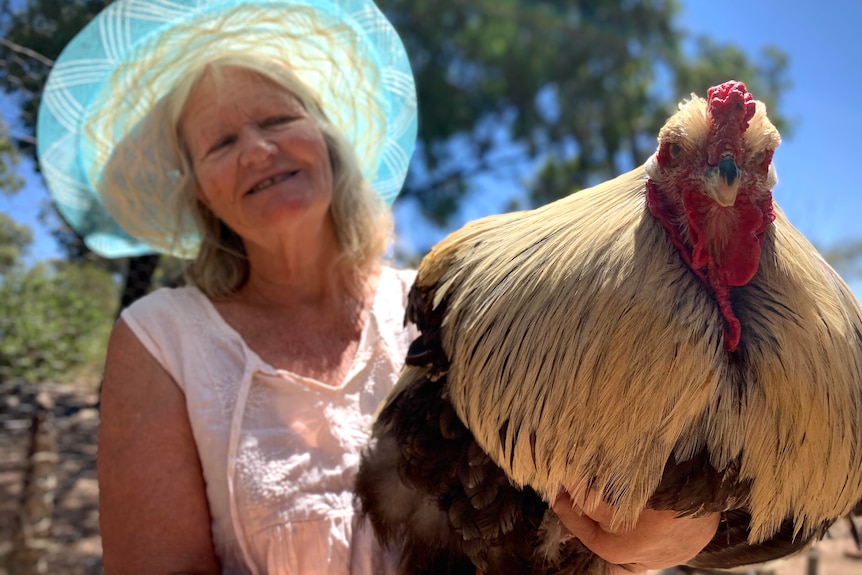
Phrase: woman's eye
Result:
[276,121]
[221,143]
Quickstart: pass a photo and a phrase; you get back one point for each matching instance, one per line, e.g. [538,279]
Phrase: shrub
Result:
[54,317]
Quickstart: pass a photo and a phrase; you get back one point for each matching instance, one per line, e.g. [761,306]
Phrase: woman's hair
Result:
[361,219]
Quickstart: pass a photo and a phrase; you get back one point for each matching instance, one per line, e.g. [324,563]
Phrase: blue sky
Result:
[818,186]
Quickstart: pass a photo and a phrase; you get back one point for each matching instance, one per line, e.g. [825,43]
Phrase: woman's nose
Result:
[256,147]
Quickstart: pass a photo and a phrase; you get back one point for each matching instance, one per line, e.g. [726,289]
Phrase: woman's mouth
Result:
[272,181]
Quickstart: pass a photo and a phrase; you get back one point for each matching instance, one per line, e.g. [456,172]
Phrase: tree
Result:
[9,180]
[14,241]
[54,316]
[34,32]
[54,319]
[34,38]
[583,86]
[632,129]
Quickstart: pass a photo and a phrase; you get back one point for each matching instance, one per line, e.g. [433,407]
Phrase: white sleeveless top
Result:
[279,451]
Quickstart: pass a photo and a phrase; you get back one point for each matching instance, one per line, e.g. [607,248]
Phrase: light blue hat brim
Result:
[70,160]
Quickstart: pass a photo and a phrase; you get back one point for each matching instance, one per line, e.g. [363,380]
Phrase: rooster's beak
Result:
[723,182]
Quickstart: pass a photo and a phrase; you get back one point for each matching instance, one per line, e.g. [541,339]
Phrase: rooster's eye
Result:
[674,150]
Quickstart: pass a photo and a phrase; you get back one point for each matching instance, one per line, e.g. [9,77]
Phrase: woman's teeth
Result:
[270,181]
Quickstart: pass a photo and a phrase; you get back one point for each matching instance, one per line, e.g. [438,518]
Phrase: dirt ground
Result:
[73,543]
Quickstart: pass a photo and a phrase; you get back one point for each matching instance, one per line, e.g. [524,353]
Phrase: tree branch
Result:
[22,138]
[27,52]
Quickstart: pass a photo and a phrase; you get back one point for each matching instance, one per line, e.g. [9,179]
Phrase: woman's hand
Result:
[660,539]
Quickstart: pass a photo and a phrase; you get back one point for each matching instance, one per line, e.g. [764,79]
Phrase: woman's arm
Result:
[660,539]
[153,510]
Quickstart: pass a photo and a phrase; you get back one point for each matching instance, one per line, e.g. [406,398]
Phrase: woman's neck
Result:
[297,269]
[322,288]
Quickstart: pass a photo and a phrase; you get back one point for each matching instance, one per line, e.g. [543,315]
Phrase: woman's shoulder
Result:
[165,299]
[167,310]
[182,331]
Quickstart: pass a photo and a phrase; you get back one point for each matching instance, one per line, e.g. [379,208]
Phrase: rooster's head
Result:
[710,184]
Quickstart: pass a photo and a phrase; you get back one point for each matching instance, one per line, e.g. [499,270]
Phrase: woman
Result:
[261,139]
[234,411]
[298,313]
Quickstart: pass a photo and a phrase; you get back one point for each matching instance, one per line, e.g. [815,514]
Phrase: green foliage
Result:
[41,29]
[629,125]
[15,238]
[547,76]
[53,318]
[10,182]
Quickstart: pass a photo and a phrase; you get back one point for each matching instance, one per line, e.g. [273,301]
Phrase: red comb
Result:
[730,108]
[731,100]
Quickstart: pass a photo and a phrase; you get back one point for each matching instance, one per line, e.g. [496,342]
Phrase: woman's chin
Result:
[283,210]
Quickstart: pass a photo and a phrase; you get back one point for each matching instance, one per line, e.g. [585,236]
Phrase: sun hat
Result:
[115,73]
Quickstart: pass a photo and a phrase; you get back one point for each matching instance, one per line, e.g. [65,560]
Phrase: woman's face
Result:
[260,159]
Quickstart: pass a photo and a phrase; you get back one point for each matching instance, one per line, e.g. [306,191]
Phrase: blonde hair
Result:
[362,221]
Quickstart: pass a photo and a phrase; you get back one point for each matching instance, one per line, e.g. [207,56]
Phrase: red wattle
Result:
[719,264]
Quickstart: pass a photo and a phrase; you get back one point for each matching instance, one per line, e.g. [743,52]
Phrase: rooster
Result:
[666,338]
